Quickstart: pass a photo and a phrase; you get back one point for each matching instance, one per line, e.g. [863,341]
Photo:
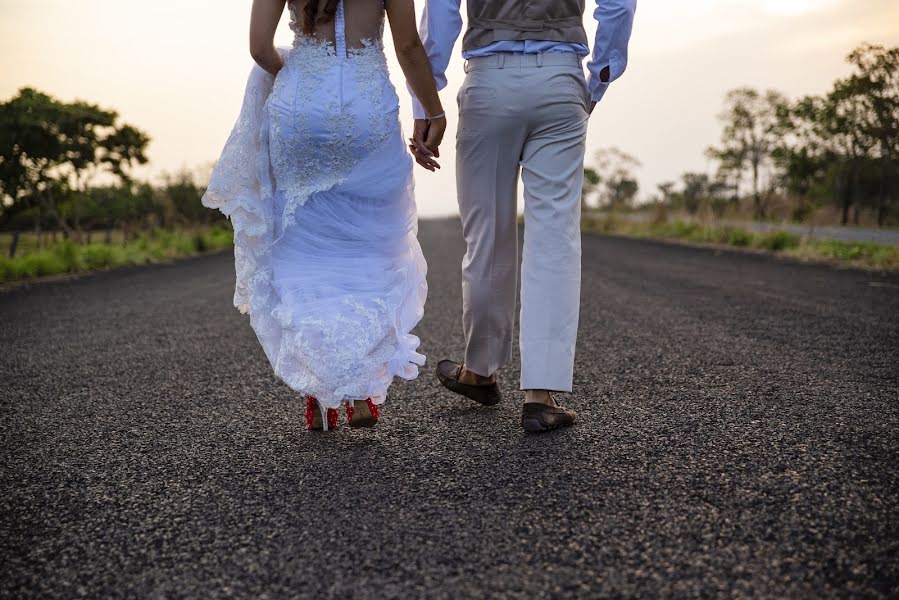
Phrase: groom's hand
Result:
[604,77]
[434,137]
[418,145]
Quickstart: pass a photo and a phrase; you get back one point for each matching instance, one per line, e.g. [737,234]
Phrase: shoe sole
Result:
[460,388]
[366,419]
[366,422]
[318,426]
[316,422]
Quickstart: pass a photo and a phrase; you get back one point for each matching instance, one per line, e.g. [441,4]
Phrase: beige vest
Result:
[501,20]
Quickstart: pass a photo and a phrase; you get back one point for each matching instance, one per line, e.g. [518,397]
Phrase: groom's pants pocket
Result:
[570,84]
[478,104]
[475,96]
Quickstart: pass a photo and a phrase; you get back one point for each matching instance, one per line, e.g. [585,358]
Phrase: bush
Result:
[684,230]
[675,229]
[777,241]
[100,256]
[219,238]
[200,244]
[38,264]
[739,237]
[69,255]
[182,244]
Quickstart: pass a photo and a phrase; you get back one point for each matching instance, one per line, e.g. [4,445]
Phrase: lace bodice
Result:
[357,26]
[332,104]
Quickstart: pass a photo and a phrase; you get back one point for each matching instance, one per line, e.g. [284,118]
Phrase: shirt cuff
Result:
[597,88]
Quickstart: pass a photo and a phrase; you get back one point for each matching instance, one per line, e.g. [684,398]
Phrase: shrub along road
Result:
[737,437]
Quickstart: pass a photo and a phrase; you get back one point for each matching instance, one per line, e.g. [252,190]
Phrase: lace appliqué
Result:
[237,190]
[358,336]
[306,162]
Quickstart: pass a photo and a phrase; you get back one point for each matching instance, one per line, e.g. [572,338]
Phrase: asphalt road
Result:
[737,438]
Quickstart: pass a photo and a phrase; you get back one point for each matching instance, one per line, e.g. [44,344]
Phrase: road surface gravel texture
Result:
[737,437]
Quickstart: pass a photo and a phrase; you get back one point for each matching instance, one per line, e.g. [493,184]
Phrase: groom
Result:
[523,109]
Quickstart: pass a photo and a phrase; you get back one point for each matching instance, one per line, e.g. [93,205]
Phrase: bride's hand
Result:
[418,145]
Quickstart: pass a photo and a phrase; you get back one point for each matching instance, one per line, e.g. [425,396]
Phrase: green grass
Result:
[867,254]
[67,257]
[28,242]
[859,254]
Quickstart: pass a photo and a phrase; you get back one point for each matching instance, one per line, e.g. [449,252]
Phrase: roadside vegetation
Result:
[69,202]
[147,248]
[830,160]
[866,255]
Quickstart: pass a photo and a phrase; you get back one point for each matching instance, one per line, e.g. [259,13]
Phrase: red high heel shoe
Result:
[362,413]
[314,416]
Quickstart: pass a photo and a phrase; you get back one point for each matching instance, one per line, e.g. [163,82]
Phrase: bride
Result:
[318,186]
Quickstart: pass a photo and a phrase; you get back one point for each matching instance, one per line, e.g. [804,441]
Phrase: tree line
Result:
[839,149]
[67,168]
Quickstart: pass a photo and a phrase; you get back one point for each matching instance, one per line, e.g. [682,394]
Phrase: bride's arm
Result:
[417,68]
[263,23]
[411,54]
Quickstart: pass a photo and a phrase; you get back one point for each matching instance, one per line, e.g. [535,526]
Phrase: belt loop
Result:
[502,60]
[539,59]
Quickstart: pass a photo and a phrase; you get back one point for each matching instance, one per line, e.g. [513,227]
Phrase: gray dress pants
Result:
[522,114]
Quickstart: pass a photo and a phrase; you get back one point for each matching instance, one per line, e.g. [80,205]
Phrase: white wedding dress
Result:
[317,182]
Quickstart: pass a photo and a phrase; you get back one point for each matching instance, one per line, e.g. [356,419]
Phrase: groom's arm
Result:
[441,23]
[609,60]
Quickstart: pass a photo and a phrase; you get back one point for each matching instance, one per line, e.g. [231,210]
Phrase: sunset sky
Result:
[177,69]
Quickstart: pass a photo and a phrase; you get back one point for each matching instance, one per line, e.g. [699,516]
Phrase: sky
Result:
[177,69]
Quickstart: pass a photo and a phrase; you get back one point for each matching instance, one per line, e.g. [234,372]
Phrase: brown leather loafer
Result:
[537,417]
[448,372]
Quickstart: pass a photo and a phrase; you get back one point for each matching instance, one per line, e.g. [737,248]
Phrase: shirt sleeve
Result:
[616,19]
[441,23]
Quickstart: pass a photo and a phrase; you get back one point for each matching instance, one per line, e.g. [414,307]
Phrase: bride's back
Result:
[364,20]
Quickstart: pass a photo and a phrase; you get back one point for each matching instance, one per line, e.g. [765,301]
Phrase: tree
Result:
[842,118]
[843,145]
[182,195]
[751,130]
[49,147]
[666,191]
[618,183]
[94,144]
[31,147]
[591,182]
[801,156]
[696,189]
[876,82]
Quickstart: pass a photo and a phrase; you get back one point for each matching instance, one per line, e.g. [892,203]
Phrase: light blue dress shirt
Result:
[441,24]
